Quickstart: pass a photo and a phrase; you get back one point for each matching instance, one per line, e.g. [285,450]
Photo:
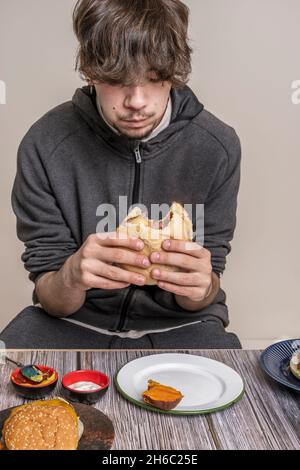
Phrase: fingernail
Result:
[146,262]
[140,245]
[167,244]
[156,272]
[141,280]
[156,256]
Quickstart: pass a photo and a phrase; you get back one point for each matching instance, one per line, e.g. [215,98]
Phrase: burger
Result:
[42,425]
[295,364]
[175,225]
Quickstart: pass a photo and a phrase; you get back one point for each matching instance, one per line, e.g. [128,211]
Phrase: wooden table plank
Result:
[258,421]
[253,423]
[267,417]
[137,428]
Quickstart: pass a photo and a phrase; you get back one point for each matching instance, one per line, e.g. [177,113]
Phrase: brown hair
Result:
[119,40]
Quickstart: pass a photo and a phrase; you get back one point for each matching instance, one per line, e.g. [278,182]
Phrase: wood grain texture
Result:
[136,428]
[267,417]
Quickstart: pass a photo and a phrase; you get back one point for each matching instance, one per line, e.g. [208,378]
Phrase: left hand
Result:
[195,280]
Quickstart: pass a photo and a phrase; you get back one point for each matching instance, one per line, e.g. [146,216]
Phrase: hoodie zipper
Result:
[135,195]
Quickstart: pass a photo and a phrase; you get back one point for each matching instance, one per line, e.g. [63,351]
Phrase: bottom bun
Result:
[80,429]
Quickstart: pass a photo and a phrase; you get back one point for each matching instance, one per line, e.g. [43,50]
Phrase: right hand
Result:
[91,266]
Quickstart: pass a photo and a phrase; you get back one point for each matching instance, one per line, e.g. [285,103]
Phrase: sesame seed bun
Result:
[42,425]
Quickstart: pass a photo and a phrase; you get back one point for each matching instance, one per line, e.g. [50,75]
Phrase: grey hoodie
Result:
[70,162]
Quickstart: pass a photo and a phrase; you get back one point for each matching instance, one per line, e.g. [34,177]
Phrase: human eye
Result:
[155,80]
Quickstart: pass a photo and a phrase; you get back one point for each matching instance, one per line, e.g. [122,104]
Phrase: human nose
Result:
[135,98]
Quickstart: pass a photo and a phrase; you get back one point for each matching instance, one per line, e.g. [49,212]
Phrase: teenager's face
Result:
[134,110]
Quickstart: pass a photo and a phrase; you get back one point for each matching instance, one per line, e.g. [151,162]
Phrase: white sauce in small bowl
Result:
[84,386]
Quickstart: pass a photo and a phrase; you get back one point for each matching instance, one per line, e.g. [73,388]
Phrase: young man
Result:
[136,131]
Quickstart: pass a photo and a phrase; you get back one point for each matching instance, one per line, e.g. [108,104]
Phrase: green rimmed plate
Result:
[207,385]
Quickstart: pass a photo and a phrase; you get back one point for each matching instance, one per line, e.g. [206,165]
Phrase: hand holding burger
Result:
[179,265]
[195,281]
[176,225]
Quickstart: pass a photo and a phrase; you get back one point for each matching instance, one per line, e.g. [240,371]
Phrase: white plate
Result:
[207,385]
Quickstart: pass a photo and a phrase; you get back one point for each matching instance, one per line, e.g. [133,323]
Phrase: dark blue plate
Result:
[275,361]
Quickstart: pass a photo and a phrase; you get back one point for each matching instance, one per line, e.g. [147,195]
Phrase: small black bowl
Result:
[33,392]
[85,396]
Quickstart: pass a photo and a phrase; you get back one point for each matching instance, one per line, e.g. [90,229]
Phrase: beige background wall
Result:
[246,56]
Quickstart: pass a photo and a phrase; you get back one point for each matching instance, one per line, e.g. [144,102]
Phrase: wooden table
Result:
[267,417]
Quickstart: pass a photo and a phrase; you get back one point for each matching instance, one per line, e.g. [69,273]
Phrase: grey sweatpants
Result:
[33,328]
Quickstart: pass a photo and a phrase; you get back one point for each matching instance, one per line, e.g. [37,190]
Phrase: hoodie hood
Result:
[185,108]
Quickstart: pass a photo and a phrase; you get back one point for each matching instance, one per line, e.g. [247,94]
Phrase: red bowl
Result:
[86,396]
[16,372]
[34,391]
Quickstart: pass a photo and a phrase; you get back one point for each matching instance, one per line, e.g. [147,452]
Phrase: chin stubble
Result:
[137,136]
